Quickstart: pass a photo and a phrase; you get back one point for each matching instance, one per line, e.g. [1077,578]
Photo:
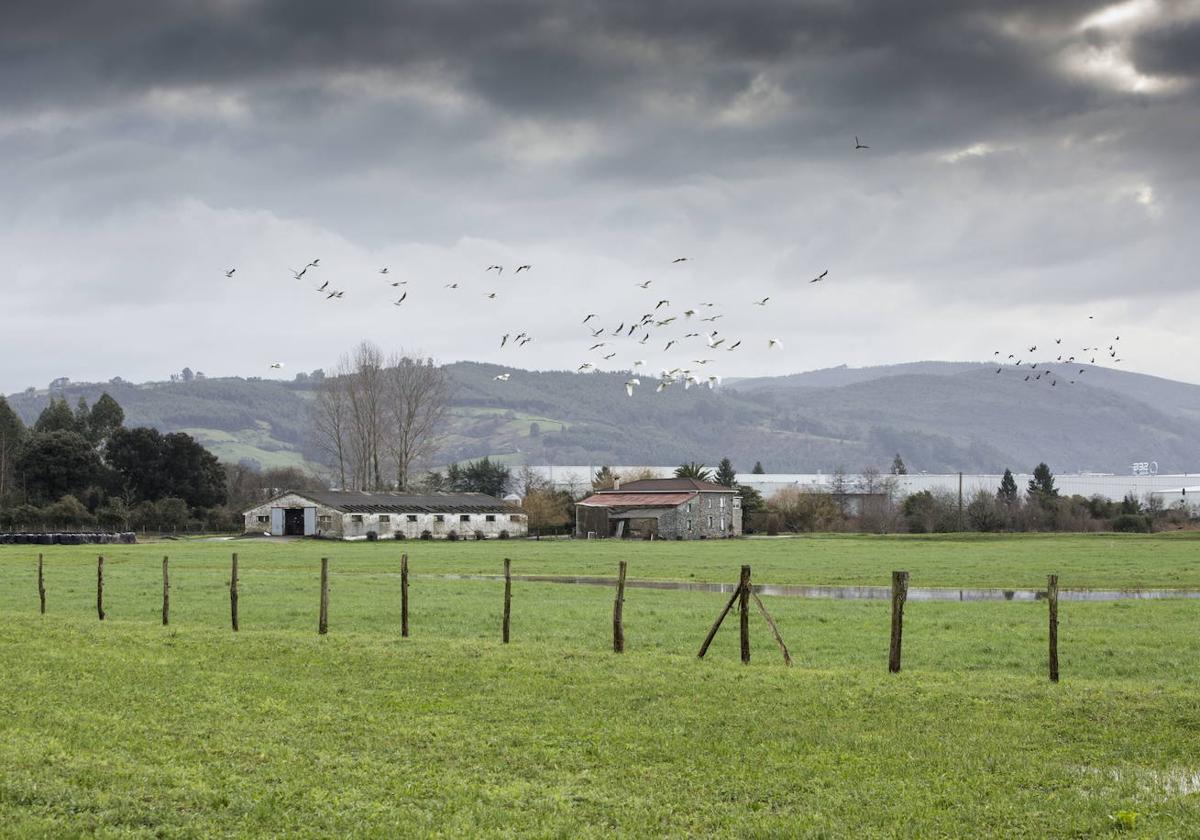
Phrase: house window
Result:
[412,517]
[710,522]
[464,517]
[689,524]
[383,519]
[264,520]
[439,518]
[490,518]
[516,517]
[722,503]
[325,521]
[357,518]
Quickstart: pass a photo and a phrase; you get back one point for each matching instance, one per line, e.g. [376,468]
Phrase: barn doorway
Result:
[293,522]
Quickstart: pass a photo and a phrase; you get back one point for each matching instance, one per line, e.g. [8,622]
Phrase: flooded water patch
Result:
[851,593]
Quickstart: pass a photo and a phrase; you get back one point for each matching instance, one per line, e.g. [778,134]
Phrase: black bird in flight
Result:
[521,268]
[858,145]
[230,272]
[819,277]
[662,303]
[590,317]
[679,260]
[321,288]
[314,264]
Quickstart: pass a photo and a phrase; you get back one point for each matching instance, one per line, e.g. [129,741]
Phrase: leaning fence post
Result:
[323,618]
[618,604]
[1052,597]
[507,598]
[100,587]
[233,592]
[166,611]
[41,586]
[899,596]
[712,631]
[744,613]
[404,595]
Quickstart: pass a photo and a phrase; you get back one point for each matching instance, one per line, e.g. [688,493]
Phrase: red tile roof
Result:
[622,499]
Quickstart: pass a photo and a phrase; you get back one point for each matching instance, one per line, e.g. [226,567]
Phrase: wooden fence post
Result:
[100,587]
[41,586]
[787,657]
[899,596]
[404,595]
[507,598]
[744,613]
[233,593]
[323,618]
[618,604]
[712,631]
[1052,597]
[166,595]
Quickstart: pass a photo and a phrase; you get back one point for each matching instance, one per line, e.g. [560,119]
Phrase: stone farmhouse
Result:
[661,509]
[358,516]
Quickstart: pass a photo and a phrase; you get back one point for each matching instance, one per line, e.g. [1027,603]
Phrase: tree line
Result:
[871,503]
[82,467]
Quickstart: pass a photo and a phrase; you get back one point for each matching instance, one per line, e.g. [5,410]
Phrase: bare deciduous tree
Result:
[365,391]
[416,396]
[331,423]
[372,416]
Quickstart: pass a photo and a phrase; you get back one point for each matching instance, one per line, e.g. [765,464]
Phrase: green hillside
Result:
[941,416]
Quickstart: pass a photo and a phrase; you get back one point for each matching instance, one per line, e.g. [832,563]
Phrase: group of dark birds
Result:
[1065,367]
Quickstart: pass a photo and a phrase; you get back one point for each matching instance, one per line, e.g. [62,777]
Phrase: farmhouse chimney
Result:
[616,482]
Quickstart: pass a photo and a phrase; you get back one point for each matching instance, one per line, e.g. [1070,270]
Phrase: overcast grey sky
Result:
[1031,164]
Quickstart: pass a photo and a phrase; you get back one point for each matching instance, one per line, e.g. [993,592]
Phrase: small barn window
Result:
[464,517]
[439,518]
[515,517]
[325,521]
[491,517]
[356,518]
[384,518]
[412,517]
[264,520]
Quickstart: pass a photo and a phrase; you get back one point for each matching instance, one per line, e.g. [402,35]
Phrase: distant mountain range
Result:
[940,417]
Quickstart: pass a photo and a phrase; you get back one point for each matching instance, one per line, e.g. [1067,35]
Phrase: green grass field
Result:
[127,728]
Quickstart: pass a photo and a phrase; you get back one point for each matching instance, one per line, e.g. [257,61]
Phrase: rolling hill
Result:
[940,416]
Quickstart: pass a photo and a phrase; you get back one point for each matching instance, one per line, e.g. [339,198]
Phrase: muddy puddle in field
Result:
[852,593]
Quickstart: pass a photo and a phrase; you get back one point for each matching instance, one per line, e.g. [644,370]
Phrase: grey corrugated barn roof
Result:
[669,485]
[348,502]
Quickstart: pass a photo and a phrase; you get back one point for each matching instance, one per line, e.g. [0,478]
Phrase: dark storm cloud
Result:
[1011,143]
[1170,51]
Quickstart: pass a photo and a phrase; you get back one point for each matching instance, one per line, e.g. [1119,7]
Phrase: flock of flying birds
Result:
[663,328]
[1066,366]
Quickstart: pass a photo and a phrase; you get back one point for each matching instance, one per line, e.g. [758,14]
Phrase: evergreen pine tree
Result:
[56,417]
[82,416]
[726,477]
[758,468]
[604,479]
[898,467]
[1041,486]
[1008,488]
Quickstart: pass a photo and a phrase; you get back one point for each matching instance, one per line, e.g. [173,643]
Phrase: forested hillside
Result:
[941,416]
